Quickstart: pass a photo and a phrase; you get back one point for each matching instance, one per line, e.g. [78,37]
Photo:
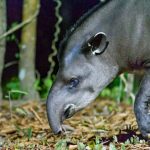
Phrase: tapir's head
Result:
[85,68]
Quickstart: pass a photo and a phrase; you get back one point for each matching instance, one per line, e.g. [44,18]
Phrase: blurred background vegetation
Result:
[30,32]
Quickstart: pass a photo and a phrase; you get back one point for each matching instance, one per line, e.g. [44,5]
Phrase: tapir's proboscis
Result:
[113,37]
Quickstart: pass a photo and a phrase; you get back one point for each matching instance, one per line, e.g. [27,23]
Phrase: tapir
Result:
[111,38]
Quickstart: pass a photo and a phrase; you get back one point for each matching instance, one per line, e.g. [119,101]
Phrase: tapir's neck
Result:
[126,26]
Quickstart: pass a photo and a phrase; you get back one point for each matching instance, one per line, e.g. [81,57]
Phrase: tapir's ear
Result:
[98,43]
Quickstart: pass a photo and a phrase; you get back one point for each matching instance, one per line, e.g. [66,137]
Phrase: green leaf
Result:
[123,147]
[106,93]
[115,138]
[17,55]
[97,140]
[20,111]
[48,82]
[29,133]
[81,146]
[37,85]
[61,145]
[12,37]
[18,91]
[112,146]
[14,24]
[98,147]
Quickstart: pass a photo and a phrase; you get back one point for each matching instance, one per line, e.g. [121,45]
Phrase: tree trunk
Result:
[27,53]
[2,41]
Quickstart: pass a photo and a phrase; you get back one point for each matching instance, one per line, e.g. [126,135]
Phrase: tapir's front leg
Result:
[142,106]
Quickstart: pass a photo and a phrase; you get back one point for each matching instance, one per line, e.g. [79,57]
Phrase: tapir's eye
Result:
[73,82]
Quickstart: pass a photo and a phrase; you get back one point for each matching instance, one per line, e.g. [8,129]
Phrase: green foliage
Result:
[12,37]
[112,147]
[44,85]
[21,112]
[123,146]
[134,140]
[81,146]
[26,132]
[29,133]
[61,145]
[97,146]
[114,91]
[12,85]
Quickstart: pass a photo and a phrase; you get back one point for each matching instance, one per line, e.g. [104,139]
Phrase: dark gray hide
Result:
[87,63]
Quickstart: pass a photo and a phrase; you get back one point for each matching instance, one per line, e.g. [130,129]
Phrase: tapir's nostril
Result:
[69,111]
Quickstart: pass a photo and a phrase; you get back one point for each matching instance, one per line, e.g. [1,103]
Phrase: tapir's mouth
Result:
[57,116]
[69,111]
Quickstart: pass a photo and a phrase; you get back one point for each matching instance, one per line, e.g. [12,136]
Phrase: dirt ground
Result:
[25,126]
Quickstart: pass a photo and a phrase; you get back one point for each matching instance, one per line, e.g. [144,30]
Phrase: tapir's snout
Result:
[54,116]
[57,113]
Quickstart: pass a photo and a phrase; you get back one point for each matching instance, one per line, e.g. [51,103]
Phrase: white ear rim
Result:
[97,51]
[89,45]
[100,33]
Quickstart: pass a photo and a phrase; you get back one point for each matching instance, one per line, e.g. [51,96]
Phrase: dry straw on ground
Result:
[104,119]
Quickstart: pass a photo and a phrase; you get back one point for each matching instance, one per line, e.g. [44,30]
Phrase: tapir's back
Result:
[127,24]
[133,29]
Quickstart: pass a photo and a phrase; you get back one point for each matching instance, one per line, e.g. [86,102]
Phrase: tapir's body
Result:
[88,63]
[127,26]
